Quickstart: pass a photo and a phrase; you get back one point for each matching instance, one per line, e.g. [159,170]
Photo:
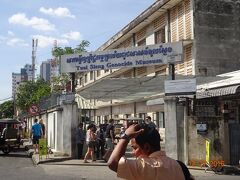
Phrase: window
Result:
[142,115]
[98,73]
[161,120]
[142,42]
[127,115]
[91,75]
[80,81]
[99,119]
[85,78]
[160,36]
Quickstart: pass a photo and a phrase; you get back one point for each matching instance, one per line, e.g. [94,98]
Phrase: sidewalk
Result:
[64,160]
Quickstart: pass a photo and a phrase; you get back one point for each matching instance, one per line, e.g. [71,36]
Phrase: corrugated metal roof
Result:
[221,91]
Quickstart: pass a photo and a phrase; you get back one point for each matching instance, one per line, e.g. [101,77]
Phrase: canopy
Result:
[133,88]
[9,121]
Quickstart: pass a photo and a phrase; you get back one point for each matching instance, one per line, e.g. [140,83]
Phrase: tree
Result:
[31,92]
[82,47]
[7,109]
[59,83]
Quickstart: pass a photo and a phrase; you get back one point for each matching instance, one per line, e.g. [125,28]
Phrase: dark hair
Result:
[111,120]
[35,120]
[91,126]
[148,117]
[80,125]
[150,136]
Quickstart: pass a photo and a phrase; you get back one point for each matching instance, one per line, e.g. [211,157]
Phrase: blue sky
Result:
[68,22]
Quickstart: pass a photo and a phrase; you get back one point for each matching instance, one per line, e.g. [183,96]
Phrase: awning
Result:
[222,91]
[83,103]
[128,89]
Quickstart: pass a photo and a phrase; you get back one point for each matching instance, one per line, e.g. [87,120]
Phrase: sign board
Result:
[123,58]
[180,87]
[43,147]
[207,151]
[201,128]
[33,109]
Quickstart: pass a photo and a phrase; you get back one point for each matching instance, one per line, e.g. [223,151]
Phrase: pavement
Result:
[64,160]
[55,159]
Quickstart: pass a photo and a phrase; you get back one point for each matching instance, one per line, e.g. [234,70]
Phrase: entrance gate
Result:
[234,139]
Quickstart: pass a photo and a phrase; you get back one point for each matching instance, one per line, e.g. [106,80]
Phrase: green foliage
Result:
[59,51]
[31,92]
[7,109]
[82,47]
[58,83]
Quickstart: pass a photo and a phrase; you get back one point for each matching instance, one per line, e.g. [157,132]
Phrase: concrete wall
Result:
[217,36]
[197,142]
[61,124]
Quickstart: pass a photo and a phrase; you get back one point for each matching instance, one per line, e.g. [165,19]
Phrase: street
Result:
[17,166]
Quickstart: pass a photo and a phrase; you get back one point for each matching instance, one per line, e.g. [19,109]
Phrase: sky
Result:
[67,21]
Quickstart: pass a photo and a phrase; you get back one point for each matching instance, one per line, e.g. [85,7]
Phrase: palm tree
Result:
[68,50]
[82,47]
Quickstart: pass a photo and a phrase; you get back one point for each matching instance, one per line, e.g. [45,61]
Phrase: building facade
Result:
[16,80]
[24,75]
[45,70]
[208,44]
[209,31]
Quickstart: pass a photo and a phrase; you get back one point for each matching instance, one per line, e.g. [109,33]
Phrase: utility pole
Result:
[34,50]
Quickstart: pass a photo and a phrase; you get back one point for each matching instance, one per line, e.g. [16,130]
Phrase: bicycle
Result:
[215,165]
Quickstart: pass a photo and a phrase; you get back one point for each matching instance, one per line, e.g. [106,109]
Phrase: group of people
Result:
[97,140]
[151,162]
[37,132]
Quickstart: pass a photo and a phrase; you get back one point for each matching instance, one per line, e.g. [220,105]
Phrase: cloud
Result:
[2,39]
[73,35]
[10,33]
[34,22]
[17,42]
[46,41]
[59,12]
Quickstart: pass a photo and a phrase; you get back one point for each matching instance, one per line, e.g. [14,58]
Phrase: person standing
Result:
[43,128]
[90,141]
[80,137]
[110,136]
[100,142]
[36,133]
[148,121]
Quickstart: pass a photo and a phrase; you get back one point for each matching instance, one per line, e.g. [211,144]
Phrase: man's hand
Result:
[133,131]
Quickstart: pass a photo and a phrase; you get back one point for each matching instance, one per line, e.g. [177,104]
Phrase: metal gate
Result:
[234,139]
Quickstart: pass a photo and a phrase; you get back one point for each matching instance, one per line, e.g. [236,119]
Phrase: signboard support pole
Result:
[73,81]
[170,109]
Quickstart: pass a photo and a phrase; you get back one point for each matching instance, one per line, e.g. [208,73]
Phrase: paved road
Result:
[17,166]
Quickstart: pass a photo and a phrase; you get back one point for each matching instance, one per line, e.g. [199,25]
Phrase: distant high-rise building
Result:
[16,80]
[49,69]
[24,75]
[45,70]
